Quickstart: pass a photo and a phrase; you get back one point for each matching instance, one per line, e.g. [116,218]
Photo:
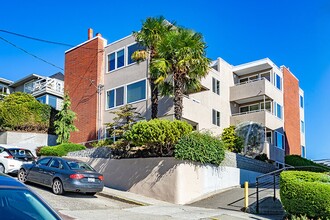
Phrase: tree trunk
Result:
[154,98]
[154,89]
[178,97]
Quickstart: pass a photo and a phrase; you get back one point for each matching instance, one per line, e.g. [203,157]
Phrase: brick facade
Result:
[291,112]
[83,73]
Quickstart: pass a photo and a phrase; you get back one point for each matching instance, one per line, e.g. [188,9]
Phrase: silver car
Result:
[62,175]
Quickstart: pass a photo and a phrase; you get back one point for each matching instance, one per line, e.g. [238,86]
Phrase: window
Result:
[302,125]
[279,140]
[278,82]
[115,97]
[215,117]
[116,60]
[111,62]
[254,107]
[278,110]
[216,86]
[4,89]
[268,106]
[29,87]
[136,91]
[42,99]
[265,75]
[43,161]
[303,151]
[269,137]
[130,50]
[301,102]
[244,109]
[52,101]
[120,58]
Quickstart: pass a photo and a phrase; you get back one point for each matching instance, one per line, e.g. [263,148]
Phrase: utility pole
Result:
[99,111]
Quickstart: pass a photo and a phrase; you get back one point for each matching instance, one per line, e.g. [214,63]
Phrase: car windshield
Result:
[23,205]
[75,165]
[21,153]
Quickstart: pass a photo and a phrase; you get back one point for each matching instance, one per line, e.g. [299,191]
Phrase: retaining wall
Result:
[177,181]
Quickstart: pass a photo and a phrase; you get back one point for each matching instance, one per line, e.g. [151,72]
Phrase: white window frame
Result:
[125,94]
[217,82]
[116,64]
[302,126]
[216,121]
[301,103]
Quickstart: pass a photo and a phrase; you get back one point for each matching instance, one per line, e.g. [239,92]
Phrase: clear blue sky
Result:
[291,33]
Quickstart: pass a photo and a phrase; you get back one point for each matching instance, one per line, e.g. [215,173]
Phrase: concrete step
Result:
[267,206]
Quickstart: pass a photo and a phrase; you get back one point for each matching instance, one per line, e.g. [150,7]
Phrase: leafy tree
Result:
[182,63]
[152,32]
[64,122]
[231,140]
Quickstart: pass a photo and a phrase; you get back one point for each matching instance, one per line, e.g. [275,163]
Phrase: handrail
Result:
[273,182]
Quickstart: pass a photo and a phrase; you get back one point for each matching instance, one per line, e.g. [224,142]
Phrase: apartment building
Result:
[48,90]
[101,77]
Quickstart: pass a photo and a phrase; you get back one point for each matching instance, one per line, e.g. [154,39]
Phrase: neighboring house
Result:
[101,77]
[48,90]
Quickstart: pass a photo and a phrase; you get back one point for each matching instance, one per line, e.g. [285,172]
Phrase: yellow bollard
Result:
[246,195]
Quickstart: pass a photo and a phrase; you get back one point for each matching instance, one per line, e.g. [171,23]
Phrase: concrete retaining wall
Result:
[172,180]
[27,139]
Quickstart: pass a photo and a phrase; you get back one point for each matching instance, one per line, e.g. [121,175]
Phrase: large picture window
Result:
[126,94]
[136,91]
[130,50]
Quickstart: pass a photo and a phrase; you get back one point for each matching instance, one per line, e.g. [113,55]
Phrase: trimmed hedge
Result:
[305,193]
[296,160]
[22,112]
[200,147]
[158,135]
[60,150]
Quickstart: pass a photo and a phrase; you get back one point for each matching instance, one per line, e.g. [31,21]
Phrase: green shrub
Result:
[22,112]
[60,150]
[200,147]
[231,140]
[158,135]
[261,157]
[296,160]
[305,193]
[102,143]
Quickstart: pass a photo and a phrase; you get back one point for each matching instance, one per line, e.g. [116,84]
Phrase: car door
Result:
[54,168]
[3,161]
[36,172]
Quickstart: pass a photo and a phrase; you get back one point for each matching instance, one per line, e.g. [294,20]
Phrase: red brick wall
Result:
[291,112]
[83,72]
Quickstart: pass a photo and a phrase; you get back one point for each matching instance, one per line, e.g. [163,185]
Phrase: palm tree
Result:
[182,62]
[152,32]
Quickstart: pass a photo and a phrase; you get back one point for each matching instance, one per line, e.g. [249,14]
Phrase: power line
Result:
[27,52]
[37,39]
[46,41]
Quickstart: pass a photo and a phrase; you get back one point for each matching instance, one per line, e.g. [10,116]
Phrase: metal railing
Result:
[271,181]
[254,111]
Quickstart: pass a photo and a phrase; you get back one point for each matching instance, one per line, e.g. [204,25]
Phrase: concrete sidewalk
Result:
[148,208]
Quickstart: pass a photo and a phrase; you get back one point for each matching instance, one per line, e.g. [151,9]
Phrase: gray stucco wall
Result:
[27,140]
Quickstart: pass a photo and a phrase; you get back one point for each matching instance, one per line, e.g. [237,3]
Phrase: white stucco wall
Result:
[169,179]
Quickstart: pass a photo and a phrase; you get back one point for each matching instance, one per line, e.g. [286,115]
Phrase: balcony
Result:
[254,90]
[46,85]
[263,117]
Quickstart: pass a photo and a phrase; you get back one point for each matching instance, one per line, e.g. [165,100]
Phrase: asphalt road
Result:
[78,202]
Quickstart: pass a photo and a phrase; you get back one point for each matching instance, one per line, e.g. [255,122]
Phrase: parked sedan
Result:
[62,175]
[18,202]
[11,158]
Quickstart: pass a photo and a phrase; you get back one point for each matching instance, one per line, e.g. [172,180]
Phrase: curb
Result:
[122,199]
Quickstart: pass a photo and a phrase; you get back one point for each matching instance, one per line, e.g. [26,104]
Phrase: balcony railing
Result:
[249,112]
[251,81]
[42,85]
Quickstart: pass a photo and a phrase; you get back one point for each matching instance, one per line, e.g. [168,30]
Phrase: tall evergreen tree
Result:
[64,122]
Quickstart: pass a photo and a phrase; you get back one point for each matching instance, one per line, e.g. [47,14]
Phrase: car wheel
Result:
[91,193]
[22,176]
[57,187]
[2,168]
